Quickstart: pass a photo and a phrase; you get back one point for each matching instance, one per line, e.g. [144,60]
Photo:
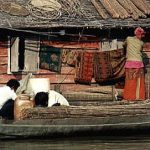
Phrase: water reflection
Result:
[94,143]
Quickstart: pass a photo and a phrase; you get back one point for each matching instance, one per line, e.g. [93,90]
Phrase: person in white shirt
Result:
[56,98]
[7,97]
[51,98]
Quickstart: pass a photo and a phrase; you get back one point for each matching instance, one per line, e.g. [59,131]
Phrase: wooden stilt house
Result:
[44,37]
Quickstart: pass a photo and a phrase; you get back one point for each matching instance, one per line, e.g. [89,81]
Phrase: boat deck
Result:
[117,117]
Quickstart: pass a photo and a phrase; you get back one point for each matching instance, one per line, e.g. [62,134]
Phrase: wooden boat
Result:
[118,117]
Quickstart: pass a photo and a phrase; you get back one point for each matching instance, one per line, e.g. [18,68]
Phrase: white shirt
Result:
[6,93]
[55,97]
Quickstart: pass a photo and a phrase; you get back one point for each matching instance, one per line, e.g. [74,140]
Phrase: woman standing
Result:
[134,82]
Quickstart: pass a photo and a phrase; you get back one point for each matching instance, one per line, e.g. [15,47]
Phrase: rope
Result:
[65,76]
[52,9]
[45,9]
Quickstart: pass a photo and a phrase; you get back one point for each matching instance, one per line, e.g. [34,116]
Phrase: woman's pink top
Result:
[134,64]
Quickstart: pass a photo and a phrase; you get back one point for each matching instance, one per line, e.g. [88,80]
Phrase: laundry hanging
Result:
[102,66]
[69,56]
[109,65]
[84,67]
[50,58]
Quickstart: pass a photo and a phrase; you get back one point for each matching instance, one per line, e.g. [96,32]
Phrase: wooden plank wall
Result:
[4,77]
[66,78]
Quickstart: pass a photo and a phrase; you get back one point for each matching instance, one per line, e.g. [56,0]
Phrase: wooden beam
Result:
[99,9]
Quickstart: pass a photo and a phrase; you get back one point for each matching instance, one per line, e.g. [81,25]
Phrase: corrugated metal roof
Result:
[74,13]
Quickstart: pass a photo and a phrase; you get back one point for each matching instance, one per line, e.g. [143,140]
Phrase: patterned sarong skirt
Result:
[134,84]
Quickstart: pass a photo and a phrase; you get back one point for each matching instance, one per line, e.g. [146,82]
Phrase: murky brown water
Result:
[82,143]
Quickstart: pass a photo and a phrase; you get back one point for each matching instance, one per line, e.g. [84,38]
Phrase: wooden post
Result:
[113,95]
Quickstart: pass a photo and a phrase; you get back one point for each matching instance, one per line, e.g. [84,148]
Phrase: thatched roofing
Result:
[74,13]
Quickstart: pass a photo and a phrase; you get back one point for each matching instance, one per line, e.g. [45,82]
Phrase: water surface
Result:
[79,143]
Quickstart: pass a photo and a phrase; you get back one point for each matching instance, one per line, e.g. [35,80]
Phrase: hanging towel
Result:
[84,67]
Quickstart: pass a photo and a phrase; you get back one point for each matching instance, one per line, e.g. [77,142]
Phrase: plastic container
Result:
[39,84]
[22,102]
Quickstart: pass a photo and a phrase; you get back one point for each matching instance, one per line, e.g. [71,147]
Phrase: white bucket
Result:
[39,84]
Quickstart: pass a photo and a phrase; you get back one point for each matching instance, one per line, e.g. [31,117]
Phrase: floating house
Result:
[57,39]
